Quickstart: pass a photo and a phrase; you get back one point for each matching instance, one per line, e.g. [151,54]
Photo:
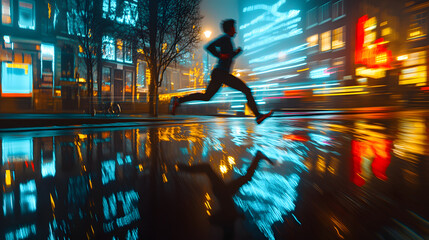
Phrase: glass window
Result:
[338,38]
[325,41]
[312,17]
[128,53]
[141,72]
[338,9]
[313,41]
[324,12]
[108,48]
[48,56]
[27,16]
[128,84]
[17,79]
[6,12]
[105,85]
[418,26]
[109,9]
[129,13]
[338,67]
[119,50]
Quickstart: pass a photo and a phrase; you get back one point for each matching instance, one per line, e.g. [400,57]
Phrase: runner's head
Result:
[228,27]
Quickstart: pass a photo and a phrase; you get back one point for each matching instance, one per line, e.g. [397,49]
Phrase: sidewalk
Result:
[25,122]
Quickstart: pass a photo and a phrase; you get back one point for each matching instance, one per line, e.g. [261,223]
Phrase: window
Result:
[418,26]
[128,84]
[338,9]
[48,56]
[338,38]
[141,72]
[338,67]
[324,13]
[128,54]
[325,41]
[27,16]
[108,48]
[6,12]
[109,9]
[312,18]
[313,41]
[16,79]
[105,85]
[129,13]
[119,50]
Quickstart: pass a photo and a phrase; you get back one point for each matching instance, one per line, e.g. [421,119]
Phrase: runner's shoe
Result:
[262,117]
[173,105]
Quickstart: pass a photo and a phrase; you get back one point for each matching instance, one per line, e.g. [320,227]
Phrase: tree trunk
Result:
[153,92]
[153,31]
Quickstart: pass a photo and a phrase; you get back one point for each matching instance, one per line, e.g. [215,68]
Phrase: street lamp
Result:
[207,34]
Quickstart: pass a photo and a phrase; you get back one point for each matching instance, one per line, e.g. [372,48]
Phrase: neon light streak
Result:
[276,55]
[276,65]
[319,73]
[271,27]
[272,40]
[278,69]
[237,106]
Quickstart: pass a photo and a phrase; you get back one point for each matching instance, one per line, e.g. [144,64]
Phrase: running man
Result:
[223,49]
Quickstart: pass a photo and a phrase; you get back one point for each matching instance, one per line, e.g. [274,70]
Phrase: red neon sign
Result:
[375,55]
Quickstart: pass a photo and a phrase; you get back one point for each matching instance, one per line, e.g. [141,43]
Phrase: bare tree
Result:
[164,31]
[85,25]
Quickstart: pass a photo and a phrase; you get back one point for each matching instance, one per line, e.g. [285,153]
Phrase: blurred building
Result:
[339,53]
[413,63]
[42,61]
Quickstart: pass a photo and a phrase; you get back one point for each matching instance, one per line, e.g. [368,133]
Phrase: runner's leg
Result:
[211,90]
[239,85]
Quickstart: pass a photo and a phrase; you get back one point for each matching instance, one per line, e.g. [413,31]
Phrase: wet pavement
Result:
[332,177]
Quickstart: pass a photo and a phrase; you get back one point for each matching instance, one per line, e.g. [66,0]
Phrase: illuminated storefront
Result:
[371,54]
[17,80]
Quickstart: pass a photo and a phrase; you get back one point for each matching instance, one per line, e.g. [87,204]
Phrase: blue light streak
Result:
[28,201]
[276,54]
[276,65]
[278,69]
[108,171]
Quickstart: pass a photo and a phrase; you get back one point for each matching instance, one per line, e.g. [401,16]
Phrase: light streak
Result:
[276,65]
[272,40]
[278,69]
[275,55]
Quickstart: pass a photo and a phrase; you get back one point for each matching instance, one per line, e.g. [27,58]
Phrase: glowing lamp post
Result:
[207,34]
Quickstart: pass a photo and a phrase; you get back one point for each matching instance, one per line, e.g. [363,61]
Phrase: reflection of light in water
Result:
[17,149]
[8,203]
[28,199]
[319,139]
[238,135]
[133,234]
[412,139]
[22,232]
[267,197]
[48,166]
[130,208]
[270,196]
[108,171]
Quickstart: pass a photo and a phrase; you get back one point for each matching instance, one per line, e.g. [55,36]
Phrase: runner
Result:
[223,49]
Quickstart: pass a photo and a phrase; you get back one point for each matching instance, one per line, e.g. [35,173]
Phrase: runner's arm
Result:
[211,47]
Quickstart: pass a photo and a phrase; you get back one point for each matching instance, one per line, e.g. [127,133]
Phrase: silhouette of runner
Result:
[223,49]
[224,192]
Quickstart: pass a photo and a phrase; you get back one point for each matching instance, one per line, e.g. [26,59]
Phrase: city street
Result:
[329,176]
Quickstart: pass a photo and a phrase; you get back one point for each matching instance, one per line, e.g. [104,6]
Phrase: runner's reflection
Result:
[227,214]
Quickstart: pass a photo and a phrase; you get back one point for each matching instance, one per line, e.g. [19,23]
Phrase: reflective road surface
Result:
[348,177]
